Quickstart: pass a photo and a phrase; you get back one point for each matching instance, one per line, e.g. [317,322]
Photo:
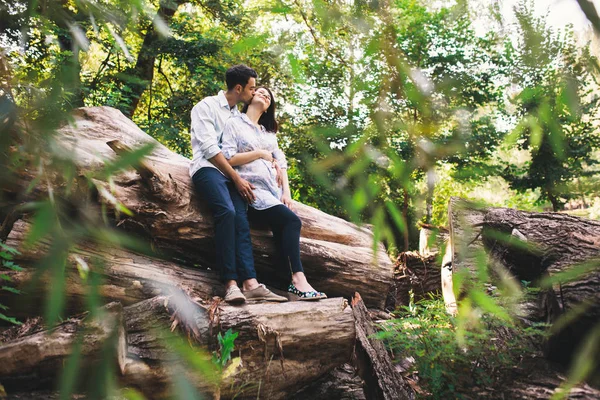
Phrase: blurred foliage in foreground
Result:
[450,360]
[387,108]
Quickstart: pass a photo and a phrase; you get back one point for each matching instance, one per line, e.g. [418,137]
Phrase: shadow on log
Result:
[416,273]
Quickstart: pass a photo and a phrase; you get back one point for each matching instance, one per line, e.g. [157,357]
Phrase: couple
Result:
[238,169]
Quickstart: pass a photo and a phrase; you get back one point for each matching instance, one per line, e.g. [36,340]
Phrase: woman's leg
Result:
[286,228]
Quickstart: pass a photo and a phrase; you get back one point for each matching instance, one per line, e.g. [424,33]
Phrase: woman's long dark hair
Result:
[267,119]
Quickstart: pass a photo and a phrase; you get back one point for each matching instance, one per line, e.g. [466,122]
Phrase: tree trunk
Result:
[532,246]
[35,361]
[416,273]
[283,347]
[336,254]
[142,74]
[125,276]
[373,361]
[432,239]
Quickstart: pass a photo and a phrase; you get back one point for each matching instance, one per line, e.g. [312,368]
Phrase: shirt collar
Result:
[247,120]
[224,103]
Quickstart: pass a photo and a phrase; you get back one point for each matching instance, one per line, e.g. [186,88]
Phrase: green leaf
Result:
[43,223]
[56,291]
[488,304]
[10,319]
[127,159]
[575,272]
[10,289]
[71,369]
[249,43]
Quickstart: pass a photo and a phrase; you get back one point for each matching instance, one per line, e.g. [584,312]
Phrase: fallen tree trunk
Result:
[342,383]
[283,347]
[125,276]
[533,378]
[35,361]
[432,239]
[336,254]
[532,246]
[416,273]
[374,363]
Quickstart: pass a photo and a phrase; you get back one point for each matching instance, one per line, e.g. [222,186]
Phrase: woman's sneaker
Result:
[234,295]
[261,293]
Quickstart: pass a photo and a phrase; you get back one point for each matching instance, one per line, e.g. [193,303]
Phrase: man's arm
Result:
[242,185]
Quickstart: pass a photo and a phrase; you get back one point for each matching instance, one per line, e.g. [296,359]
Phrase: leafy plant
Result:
[6,261]
[447,362]
[226,346]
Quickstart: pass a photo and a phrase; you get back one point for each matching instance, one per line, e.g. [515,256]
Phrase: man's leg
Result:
[211,185]
[243,244]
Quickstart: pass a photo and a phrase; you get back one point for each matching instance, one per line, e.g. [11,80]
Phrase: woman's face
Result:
[262,98]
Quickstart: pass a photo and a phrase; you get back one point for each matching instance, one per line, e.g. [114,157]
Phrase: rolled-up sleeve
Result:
[203,130]
[279,155]
[229,142]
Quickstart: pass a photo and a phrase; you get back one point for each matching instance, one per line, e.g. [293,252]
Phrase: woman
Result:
[250,145]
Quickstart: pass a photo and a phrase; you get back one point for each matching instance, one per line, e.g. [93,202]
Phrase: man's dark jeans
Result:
[232,232]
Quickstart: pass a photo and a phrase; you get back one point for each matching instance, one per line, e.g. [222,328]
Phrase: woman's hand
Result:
[287,201]
[279,175]
[266,155]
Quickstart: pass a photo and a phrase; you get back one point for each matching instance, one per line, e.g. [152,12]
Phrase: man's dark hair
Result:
[239,75]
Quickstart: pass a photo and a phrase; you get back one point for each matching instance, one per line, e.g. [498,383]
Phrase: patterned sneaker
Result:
[234,295]
[261,293]
[297,295]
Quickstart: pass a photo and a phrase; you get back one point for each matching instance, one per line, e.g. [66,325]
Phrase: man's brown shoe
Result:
[261,293]
[234,295]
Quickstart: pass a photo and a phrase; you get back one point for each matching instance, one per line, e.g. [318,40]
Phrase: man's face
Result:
[248,91]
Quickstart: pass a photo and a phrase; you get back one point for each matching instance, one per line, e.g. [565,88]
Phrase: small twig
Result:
[316,38]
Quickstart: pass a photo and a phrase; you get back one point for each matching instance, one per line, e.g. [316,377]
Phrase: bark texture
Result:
[373,361]
[283,347]
[336,254]
[533,246]
[125,276]
[34,361]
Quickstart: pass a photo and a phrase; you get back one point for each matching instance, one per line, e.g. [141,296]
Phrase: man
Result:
[224,190]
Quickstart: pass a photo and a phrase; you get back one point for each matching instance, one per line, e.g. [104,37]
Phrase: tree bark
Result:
[532,246]
[415,272]
[336,254]
[283,347]
[125,276]
[35,361]
[342,383]
[142,73]
[373,361]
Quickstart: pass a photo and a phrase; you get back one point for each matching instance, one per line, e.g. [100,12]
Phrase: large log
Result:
[34,361]
[532,246]
[336,254]
[283,347]
[125,276]
[342,383]
[417,273]
[382,381]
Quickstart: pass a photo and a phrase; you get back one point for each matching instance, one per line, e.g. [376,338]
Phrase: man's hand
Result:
[287,201]
[245,188]
[279,177]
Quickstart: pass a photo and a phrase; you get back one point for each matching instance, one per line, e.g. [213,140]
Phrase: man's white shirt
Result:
[208,120]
